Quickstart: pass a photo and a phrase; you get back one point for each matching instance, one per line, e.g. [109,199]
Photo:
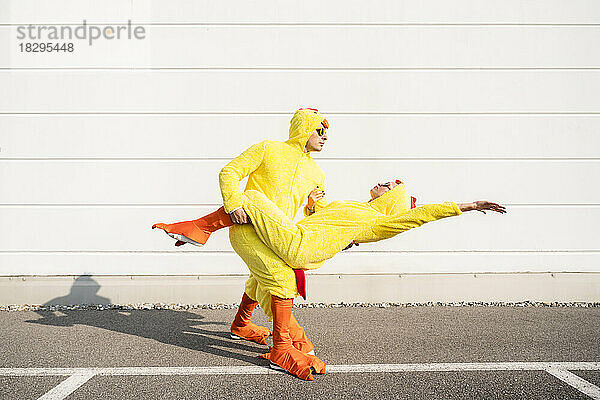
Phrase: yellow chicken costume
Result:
[284,174]
[315,239]
[322,235]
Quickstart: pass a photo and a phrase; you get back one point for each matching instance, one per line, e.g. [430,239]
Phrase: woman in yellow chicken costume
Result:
[319,237]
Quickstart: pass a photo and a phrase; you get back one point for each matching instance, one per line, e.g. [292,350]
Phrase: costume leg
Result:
[272,274]
[299,339]
[197,231]
[283,354]
[243,328]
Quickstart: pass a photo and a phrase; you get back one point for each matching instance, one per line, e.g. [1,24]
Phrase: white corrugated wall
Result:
[462,100]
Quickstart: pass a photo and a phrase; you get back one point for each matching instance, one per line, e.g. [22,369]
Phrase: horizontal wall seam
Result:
[287,113]
[151,205]
[318,158]
[212,252]
[299,68]
[309,24]
[195,276]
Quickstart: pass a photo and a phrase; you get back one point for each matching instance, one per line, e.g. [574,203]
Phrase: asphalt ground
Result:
[343,336]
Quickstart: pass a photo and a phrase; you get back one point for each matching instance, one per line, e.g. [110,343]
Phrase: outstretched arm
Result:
[482,205]
[390,226]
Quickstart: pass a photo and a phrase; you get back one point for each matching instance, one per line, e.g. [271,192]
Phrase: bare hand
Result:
[314,196]
[353,243]
[482,205]
[239,216]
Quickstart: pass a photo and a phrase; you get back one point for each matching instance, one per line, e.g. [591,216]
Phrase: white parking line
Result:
[66,387]
[349,368]
[78,376]
[577,382]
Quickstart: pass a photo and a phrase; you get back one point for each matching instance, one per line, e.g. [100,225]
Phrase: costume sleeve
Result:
[236,170]
[321,203]
[389,226]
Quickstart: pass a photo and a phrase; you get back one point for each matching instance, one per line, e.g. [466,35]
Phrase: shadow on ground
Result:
[179,328]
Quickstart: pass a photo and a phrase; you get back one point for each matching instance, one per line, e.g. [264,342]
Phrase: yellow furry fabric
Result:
[285,175]
[324,234]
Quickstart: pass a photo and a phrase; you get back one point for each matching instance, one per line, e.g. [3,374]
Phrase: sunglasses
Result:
[389,184]
[321,131]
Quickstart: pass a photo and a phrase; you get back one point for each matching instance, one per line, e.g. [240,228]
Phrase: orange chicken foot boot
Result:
[299,339]
[197,231]
[283,355]
[242,328]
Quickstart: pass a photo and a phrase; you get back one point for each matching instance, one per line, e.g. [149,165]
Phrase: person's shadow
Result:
[179,328]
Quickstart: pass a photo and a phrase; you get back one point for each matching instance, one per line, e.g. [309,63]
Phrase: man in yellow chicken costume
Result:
[286,174]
